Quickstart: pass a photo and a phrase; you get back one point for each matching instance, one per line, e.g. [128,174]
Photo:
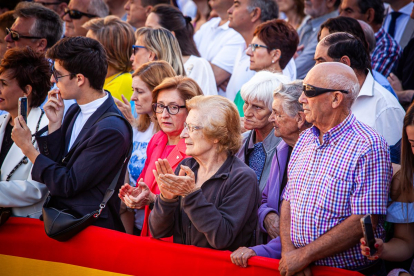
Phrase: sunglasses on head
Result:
[16,36]
[74,14]
[313,91]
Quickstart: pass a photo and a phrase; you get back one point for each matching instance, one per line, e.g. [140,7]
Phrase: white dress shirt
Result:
[401,21]
[378,108]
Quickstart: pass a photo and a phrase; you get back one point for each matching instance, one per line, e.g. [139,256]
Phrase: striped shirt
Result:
[348,174]
[386,53]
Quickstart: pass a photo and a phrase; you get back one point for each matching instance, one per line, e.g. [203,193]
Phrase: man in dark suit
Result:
[96,147]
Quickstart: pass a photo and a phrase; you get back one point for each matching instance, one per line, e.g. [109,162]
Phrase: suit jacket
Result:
[408,33]
[155,149]
[21,192]
[99,150]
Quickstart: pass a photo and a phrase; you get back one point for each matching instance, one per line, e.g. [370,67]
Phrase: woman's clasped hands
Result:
[136,197]
[171,185]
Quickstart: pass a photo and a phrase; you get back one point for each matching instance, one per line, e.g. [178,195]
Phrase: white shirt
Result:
[86,111]
[200,70]
[401,21]
[242,74]
[378,108]
[218,44]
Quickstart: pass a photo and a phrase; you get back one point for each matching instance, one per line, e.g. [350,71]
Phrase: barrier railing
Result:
[26,250]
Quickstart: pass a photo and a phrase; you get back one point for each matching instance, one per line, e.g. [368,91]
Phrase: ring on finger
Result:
[242,253]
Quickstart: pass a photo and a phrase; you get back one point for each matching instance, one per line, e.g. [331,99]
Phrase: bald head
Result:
[335,75]
[369,35]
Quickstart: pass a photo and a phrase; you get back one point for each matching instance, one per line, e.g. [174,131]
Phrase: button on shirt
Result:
[348,174]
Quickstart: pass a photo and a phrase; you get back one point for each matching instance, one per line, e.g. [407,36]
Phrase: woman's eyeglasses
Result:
[253,47]
[171,108]
[135,48]
[16,36]
[74,14]
[191,128]
[313,91]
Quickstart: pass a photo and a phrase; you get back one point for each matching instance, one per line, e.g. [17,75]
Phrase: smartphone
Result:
[23,108]
[368,233]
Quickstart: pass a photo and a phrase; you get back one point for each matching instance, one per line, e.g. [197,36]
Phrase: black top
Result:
[404,70]
[7,143]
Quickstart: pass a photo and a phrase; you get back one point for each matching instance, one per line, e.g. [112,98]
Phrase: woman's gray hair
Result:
[290,94]
[260,87]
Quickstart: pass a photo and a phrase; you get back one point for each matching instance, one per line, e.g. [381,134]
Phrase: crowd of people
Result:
[264,127]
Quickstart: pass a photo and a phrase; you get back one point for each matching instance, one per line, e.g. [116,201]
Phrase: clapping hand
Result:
[171,184]
[136,197]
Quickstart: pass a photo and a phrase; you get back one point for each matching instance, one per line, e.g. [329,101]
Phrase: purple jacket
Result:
[271,200]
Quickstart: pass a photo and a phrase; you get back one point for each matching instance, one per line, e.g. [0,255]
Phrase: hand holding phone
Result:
[369,237]
[23,108]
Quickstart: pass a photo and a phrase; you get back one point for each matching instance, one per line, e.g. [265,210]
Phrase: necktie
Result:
[394,16]
[257,159]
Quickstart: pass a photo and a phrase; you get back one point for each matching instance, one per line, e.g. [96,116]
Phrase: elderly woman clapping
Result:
[288,120]
[259,144]
[211,200]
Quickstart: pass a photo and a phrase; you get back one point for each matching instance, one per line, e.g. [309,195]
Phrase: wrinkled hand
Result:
[241,255]
[395,82]
[163,167]
[293,262]
[125,108]
[306,272]
[136,197]
[54,110]
[271,224]
[379,245]
[180,185]
[21,134]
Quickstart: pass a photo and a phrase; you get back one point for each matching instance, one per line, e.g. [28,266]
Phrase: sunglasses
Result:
[16,36]
[74,14]
[135,48]
[313,91]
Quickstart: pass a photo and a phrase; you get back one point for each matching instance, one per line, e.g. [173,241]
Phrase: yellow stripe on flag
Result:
[18,266]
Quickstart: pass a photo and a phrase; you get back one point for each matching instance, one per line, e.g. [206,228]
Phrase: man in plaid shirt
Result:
[387,51]
[339,171]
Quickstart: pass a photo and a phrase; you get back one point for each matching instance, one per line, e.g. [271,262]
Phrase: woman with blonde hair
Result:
[211,199]
[170,112]
[117,37]
[157,44]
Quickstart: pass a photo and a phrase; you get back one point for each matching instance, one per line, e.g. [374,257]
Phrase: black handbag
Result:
[62,225]
[5,213]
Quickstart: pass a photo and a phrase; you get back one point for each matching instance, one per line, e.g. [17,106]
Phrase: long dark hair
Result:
[173,20]
[407,156]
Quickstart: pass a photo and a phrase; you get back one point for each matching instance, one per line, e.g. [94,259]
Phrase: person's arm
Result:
[287,244]
[220,75]
[222,224]
[91,164]
[21,193]
[161,219]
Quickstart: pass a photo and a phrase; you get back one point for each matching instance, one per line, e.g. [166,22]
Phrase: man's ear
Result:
[61,9]
[80,79]
[255,15]
[337,99]
[369,15]
[148,10]
[345,60]
[42,45]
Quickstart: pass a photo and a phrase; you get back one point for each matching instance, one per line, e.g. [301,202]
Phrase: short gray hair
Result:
[290,94]
[269,9]
[338,81]
[47,23]
[260,87]
[99,8]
